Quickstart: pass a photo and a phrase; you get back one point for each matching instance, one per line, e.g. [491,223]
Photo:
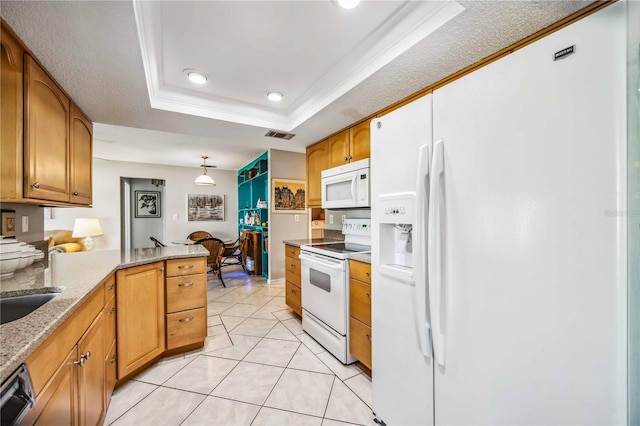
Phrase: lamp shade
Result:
[86,227]
[204,179]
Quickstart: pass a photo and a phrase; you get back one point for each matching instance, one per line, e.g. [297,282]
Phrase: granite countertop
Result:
[298,243]
[361,257]
[77,275]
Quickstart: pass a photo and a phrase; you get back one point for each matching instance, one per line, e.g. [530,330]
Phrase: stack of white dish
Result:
[16,255]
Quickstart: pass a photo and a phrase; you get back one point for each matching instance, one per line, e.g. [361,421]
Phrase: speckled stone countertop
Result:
[298,243]
[361,257]
[78,275]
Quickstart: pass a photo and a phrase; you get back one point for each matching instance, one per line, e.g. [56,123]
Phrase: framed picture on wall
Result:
[205,207]
[147,204]
[287,196]
[9,223]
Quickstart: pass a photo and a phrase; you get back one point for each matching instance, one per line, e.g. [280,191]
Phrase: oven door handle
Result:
[333,264]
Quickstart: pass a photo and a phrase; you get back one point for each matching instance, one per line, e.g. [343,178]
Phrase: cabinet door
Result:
[317,161]
[338,146]
[11,117]
[140,307]
[46,137]
[91,387]
[359,142]
[57,403]
[81,157]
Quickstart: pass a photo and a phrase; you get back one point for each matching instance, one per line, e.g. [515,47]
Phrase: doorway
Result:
[142,211]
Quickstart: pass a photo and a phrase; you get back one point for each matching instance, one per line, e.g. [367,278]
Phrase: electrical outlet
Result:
[330,219]
[25,223]
[296,218]
[344,217]
[176,217]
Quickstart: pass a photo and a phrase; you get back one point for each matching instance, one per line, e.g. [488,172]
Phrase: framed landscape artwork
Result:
[205,207]
[147,204]
[287,196]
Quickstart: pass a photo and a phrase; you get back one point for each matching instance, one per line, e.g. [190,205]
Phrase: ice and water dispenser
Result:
[396,218]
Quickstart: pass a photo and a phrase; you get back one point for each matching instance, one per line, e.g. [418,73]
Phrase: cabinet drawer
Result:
[360,301]
[360,341]
[110,323]
[187,292]
[186,328]
[293,273]
[293,297]
[111,372]
[109,288]
[360,271]
[194,265]
[292,251]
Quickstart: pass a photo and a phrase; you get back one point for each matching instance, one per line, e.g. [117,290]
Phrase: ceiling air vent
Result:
[279,135]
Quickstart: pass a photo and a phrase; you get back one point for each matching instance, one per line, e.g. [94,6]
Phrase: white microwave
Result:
[346,186]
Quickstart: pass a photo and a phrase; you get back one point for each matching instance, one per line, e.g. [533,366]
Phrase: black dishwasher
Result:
[16,396]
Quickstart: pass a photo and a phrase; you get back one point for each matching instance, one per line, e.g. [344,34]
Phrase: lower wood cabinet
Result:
[140,300]
[293,274]
[91,386]
[70,385]
[186,287]
[360,311]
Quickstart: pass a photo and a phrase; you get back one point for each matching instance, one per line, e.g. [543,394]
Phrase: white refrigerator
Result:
[499,262]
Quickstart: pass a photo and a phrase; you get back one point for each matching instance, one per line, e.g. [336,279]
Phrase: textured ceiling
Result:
[92,49]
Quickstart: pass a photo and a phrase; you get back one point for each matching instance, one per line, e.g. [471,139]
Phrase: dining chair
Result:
[215,246]
[156,242]
[233,253]
[199,235]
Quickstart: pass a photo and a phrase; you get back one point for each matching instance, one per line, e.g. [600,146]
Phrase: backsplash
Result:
[337,218]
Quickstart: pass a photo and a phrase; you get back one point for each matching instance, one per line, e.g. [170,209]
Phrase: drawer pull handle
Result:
[75,194]
[293,291]
[187,319]
[185,285]
[111,287]
[111,311]
[36,185]
[368,274]
[185,267]
[112,360]
[368,296]
[83,359]
[368,337]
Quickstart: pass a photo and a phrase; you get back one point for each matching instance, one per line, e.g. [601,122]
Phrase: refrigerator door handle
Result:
[420,251]
[435,253]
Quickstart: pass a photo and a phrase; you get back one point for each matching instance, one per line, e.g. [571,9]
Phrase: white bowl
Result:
[8,266]
[9,246]
[24,261]
[39,255]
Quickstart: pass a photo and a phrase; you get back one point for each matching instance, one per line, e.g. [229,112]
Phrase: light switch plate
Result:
[25,223]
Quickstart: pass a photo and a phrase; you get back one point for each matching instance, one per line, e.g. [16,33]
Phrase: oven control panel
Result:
[357,227]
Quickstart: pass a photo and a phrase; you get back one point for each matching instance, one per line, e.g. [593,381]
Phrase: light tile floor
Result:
[257,367]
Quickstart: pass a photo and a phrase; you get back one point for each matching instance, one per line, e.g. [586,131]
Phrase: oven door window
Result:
[320,279]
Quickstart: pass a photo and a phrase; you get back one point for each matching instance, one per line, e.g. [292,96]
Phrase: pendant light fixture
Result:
[204,179]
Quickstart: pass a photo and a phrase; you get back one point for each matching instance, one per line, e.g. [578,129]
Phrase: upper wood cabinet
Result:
[46,136]
[338,146]
[11,113]
[317,161]
[80,149]
[360,141]
[46,140]
[349,145]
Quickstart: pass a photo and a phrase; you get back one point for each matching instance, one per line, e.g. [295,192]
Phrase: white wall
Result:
[178,183]
[283,226]
[36,221]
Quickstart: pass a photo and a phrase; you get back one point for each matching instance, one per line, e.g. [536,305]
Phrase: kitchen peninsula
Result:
[92,287]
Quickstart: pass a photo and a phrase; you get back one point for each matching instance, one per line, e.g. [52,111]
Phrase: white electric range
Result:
[325,287]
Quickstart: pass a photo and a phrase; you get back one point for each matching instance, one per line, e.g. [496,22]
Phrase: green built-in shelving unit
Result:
[253,186]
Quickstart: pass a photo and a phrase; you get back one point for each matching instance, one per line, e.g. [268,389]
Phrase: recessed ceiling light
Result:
[348,4]
[196,76]
[274,96]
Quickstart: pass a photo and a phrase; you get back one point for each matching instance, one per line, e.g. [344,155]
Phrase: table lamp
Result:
[87,227]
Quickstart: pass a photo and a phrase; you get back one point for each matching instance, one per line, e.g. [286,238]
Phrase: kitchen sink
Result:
[13,308]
